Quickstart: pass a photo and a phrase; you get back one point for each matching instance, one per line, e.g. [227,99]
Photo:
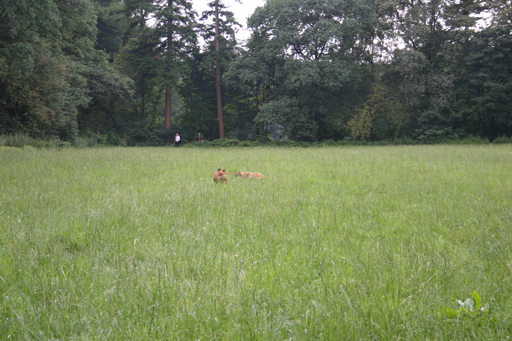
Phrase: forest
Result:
[136,72]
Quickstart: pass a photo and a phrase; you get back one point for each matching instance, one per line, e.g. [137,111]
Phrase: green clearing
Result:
[336,243]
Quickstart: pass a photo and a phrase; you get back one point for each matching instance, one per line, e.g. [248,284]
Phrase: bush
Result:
[138,136]
[406,141]
[22,140]
[469,140]
[327,143]
[113,138]
[91,140]
[18,140]
[502,140]
[161,137]
[6,148]
[144,136]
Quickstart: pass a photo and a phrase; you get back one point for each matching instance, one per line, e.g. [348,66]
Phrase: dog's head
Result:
[239,173]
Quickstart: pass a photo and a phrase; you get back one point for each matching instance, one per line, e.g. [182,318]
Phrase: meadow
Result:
[336,243]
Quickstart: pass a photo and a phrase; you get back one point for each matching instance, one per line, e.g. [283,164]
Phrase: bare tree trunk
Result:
[143,100]
[314,129]
[168,92]
[168,98]
[220,112]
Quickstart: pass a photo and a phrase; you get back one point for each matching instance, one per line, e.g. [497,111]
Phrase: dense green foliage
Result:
[371,69]
[335,243]
[51,76]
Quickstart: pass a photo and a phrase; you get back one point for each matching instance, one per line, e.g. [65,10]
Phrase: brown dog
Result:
[250,175]
[220,175]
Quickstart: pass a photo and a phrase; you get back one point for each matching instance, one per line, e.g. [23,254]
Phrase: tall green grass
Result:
[335,243]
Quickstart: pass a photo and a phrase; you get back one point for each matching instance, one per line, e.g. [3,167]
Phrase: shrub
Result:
[22,140]
[502,140]
[469,140]
[113,138]
[138,136]
[18,140]
[91,140]
[6,148]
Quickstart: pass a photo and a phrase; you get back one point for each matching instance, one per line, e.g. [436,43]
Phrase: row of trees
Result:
[311,70]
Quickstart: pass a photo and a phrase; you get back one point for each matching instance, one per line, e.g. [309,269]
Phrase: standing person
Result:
[177,140]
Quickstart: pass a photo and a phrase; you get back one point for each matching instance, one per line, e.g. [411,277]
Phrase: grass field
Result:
[346,243]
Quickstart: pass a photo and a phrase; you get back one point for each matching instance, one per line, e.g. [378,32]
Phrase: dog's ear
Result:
[218,169]
[223,170]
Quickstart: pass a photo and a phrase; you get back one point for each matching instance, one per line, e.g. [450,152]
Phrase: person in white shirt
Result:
[177,140]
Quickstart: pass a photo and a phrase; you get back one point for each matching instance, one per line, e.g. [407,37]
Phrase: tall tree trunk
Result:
[220,113]
[143,100]
[168,92]
[168,98]
[314,129]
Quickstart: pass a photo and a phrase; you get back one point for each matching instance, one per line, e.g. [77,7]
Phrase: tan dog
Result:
[250,175]
[220,175]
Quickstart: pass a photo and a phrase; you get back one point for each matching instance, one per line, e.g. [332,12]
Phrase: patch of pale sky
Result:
[242,12]
[245,8]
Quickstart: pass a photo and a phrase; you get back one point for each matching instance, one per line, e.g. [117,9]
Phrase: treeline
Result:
[135,72]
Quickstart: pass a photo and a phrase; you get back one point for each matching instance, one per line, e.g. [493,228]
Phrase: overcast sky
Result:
[241,11]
